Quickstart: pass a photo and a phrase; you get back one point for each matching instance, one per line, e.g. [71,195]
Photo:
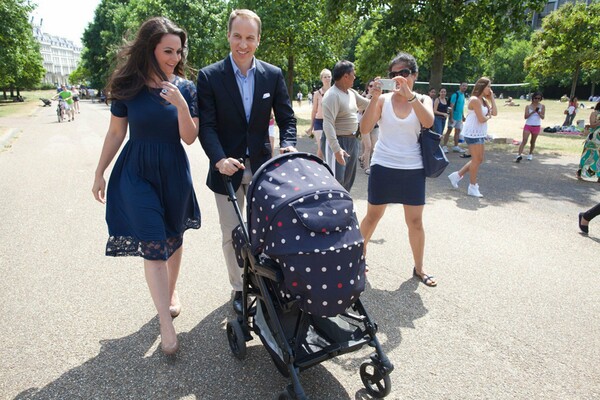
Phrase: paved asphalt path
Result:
[515,314]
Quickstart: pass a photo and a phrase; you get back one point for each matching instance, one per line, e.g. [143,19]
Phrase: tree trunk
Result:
[575,78]
[593,89]
[437,64]
[290,77]
[4,94]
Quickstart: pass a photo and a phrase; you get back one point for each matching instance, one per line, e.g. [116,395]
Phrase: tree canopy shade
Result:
[435,31]
[567,43]
[21,63]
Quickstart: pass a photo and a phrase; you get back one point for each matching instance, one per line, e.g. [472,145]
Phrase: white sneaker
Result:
[519,158]
[445,148]
[457,149]
[454,179]
[474,190]
[530,157]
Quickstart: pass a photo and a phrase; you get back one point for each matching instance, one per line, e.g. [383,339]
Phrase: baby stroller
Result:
[303,272]
[46,102]
[60,110]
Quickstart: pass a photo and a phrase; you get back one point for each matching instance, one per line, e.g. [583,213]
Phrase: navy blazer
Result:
[224,131]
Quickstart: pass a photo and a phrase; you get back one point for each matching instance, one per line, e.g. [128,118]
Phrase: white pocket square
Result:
[266,95]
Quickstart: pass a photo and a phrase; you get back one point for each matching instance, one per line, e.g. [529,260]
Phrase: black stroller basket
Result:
[303,272]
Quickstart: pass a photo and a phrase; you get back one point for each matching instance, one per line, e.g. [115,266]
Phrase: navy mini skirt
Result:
[402,186]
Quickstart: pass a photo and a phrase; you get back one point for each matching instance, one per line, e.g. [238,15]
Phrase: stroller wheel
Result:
[236,338]
[377,382]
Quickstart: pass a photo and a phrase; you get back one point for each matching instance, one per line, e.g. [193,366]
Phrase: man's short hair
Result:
[342,68]
[244,13]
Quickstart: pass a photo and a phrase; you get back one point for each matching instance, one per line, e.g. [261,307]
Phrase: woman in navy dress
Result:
[150,199]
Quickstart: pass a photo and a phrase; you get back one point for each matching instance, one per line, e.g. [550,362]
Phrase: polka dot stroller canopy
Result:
[301,217]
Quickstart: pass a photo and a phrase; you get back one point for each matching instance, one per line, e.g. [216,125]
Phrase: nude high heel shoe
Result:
[168,349]
[175,308]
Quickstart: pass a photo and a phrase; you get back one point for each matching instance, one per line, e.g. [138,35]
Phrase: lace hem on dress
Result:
[123,246]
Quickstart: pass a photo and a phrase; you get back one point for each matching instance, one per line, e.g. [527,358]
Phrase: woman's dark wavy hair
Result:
[406,59]
[137,62]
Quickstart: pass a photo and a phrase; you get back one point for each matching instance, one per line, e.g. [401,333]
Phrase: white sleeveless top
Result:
[534,119]
[472,128]
[398,144]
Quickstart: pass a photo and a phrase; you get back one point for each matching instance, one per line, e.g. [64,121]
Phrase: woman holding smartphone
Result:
[534,114]
[482,107]
[397,175]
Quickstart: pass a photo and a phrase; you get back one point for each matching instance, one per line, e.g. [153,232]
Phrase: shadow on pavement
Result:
[132,368]
[392,311]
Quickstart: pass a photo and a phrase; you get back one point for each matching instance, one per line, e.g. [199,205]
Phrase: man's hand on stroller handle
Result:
[229,166]
[289,149]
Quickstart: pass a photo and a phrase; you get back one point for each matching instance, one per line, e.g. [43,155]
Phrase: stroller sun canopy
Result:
[299,215]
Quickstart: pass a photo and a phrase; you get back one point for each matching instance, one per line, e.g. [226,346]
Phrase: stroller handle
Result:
[231,196]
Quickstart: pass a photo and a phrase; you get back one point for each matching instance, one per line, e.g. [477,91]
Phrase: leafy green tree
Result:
[298,36]
[101,40]
[116,22]
[81,75]
[435,31]
[567,43]
[204,21]
[506,63]
[20,60]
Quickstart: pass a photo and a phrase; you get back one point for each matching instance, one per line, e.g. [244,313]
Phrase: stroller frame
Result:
[259,276]
[60,110]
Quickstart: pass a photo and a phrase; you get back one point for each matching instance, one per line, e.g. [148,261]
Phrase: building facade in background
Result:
[551,5]
[61,56]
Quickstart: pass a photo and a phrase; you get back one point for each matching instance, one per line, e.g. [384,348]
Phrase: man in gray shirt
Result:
[341,104]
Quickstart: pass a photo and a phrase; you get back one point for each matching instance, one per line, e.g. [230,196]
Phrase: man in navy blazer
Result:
[235,99]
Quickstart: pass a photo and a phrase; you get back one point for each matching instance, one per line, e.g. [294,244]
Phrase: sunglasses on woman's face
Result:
[537,98]
[405,72]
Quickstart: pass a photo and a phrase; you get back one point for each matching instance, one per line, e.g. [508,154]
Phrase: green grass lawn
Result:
[32,101]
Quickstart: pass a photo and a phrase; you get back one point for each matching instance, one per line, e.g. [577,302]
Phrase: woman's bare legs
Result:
[370,221]
[157,277]
[472,167]
[524,141]
[367,149]
[173,266]
[317,135]
[413,215]
[532,145]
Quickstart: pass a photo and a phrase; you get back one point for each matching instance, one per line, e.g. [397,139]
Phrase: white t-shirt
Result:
[398,145]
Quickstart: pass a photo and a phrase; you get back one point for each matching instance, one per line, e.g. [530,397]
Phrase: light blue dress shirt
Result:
[245,85]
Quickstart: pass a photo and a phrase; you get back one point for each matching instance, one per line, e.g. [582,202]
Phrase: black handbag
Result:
[434,159]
